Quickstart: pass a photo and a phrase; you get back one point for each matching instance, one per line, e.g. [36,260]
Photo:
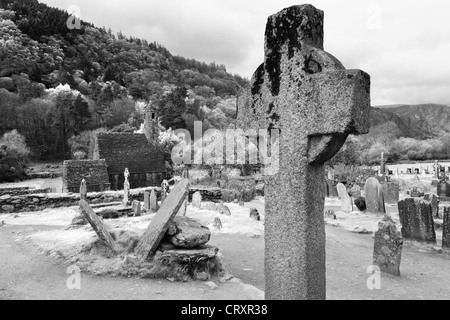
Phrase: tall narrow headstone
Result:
[416,217]
[434,201]
[164,190]
[153,202]
[346,201]
[147,201]
[126,188]
[83,190]
[446,228]
[374,196]
[315,103]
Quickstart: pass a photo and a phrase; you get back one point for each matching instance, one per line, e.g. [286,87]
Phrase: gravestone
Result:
[374,196]
[443,189]
[136,208]
[153,201]
[165,188]
[197,200]
[434,201]
[98,226]
[316,103]
[446,228]
[147,201]
[391,192]
[225,211]
[346,201]
[126,188]
[416,217]
[83,190]
[254,214]
[387,253]
[217,224]
[161,222]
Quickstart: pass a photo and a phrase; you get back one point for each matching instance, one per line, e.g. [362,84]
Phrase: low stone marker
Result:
[137,209]
[416,217]
[374,196]
[387,253]
[197,200]
[446,229]
[217,224]
[346,201]
[225,211]
[161,222]
[153,202]
[97,225]
[330,214]
[254,214]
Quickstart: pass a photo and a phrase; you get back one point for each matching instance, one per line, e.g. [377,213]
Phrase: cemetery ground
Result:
[37,249]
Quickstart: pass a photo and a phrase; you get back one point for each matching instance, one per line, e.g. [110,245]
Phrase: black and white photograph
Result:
[224,155]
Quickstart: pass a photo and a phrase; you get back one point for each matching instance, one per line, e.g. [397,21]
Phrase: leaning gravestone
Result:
[387,253]
[315,103]
[416,217]
[161,222]
[446,229]
[346,201]
[374,196]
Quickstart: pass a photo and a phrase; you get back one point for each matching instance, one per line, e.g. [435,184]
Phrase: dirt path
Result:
[27,275]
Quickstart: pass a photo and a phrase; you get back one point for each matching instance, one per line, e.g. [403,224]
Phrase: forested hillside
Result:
[57,83]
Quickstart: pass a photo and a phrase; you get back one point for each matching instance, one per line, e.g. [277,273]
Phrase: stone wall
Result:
[93,171]
[39,202]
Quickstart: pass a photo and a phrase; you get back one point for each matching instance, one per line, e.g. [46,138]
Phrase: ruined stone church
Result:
[113,152]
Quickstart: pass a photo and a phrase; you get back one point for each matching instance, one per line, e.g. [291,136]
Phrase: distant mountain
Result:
[416,121]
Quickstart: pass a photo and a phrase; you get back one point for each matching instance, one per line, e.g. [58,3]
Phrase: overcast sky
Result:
[403,45]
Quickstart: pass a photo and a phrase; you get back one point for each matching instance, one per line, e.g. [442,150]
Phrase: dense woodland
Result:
[59,86]
[56,83]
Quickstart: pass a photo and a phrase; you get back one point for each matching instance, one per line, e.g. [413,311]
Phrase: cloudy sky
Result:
[403,45]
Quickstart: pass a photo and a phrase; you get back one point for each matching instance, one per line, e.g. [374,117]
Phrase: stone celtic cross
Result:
[316,103]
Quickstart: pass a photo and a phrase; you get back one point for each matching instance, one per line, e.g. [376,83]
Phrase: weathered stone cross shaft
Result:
[316,103]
